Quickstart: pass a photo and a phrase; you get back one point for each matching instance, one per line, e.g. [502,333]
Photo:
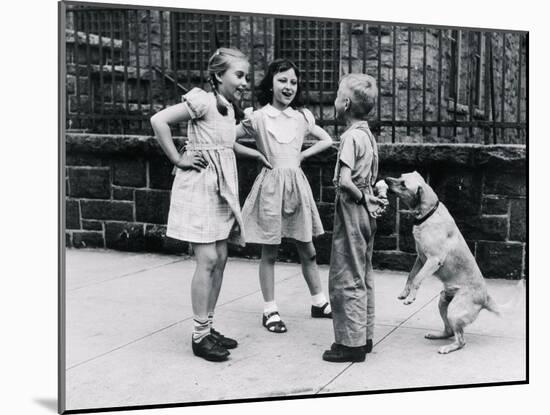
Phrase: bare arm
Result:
[347,184]
[247,152]
[241,132]
[325,142]
[161,126]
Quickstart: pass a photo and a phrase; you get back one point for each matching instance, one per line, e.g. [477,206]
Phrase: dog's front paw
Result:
[409,300]
[403,294]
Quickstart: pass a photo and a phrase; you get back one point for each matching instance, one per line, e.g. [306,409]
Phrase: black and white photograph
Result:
[267,206]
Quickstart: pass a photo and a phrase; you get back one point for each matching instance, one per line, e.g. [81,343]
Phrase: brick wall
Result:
[118,192]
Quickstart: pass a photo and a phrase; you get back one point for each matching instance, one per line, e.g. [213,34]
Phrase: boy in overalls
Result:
[351,284]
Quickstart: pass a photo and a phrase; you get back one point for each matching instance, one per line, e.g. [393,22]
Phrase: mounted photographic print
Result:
[259,207]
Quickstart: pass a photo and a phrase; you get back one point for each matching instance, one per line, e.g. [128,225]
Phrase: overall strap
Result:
[374,166]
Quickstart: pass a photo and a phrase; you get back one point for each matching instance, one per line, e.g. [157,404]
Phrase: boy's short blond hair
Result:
[364,92]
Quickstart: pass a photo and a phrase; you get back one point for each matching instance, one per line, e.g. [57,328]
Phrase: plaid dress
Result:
[204,205]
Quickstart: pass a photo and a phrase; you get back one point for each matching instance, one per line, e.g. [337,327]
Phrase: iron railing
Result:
[435,84]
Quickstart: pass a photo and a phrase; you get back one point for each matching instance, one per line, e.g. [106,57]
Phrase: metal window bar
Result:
[518,104]
[350,40]
[101,80]
[471,79]
[365,46]
[138,66]
[409,46]
[393,81]
[200,52]
[424,70]
[306,69]
[321,70]
[439,75]
[76,61]
[113,84]
[379,100]
[252,77]
[126,60]
[487,88]
[162,69]
[265,44]
[150,63]
[477,61]
[336,70]
[91,101]
[492,82]
[238,32]
[503,86]
[456,80]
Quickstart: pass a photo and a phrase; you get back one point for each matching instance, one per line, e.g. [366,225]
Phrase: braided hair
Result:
[218,63]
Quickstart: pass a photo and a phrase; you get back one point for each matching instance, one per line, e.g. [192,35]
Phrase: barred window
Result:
[102,22]
[315,48]
[195,37]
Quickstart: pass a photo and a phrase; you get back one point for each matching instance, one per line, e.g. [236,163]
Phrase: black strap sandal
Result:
[273,326]
[319,312]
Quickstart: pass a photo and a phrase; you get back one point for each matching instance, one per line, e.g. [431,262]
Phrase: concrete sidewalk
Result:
[129,323]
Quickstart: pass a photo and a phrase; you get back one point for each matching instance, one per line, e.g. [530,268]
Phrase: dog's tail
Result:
[511,304]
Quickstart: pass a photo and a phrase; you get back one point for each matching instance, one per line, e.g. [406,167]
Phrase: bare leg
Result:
[443,307]
[201,285]
[217,274]
[267,271]
[307,254]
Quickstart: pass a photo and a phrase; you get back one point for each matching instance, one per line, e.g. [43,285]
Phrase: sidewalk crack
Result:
[378,342]
[139,271]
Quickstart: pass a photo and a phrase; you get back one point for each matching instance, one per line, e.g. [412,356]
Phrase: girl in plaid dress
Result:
[204,205]
[280,203]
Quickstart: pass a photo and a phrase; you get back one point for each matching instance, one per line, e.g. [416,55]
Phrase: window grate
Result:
[312,46]
[196,36]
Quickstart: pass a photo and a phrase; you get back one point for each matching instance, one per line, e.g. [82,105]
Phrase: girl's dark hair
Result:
[265,95]
[218,63]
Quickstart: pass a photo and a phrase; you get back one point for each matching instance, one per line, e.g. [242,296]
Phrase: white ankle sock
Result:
[270,307]
[210,319]
[201,328]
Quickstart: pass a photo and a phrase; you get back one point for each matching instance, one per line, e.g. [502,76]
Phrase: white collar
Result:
[274,112]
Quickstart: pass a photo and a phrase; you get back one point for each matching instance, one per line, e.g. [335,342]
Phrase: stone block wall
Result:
[118,192]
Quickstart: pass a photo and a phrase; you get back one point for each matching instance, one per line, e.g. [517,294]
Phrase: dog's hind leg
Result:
[444,301]
[461,312]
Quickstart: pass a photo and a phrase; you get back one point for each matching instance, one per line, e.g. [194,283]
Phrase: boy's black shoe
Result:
[226,342]
[209,349]
[367,347]
[341,353]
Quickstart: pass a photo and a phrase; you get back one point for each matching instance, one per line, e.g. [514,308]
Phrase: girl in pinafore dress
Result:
[280,203]
[204,205]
